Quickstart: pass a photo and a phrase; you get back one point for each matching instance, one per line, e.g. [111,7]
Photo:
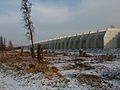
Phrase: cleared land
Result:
[59,71]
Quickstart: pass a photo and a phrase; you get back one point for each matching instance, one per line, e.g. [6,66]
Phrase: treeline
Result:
[4,46]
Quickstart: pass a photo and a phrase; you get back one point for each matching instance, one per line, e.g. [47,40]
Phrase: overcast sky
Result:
[55,18]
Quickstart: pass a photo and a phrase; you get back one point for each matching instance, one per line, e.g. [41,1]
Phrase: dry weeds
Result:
[26,64]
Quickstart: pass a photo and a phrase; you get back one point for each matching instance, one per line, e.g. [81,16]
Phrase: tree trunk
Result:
[32,41]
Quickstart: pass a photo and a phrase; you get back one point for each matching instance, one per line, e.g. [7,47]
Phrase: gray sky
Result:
[55,18]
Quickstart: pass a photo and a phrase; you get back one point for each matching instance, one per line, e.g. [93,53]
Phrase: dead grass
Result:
[68,67]
[82,65]
[93,81]
[103,58]
[49,71]
[28,65]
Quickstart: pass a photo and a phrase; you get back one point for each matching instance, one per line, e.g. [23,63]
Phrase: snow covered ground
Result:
[10,80]
[109,71]
[34,82]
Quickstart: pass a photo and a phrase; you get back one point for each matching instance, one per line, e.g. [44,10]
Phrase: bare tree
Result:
[2,43]
[26,12]
[10,45]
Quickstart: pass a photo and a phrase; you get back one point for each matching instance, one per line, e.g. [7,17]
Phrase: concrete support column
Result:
[60,43]
[69,43]
[95,40]
[57,42]
[83,41]
[77,42]
[73,43]
[88,37]
[65,43]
